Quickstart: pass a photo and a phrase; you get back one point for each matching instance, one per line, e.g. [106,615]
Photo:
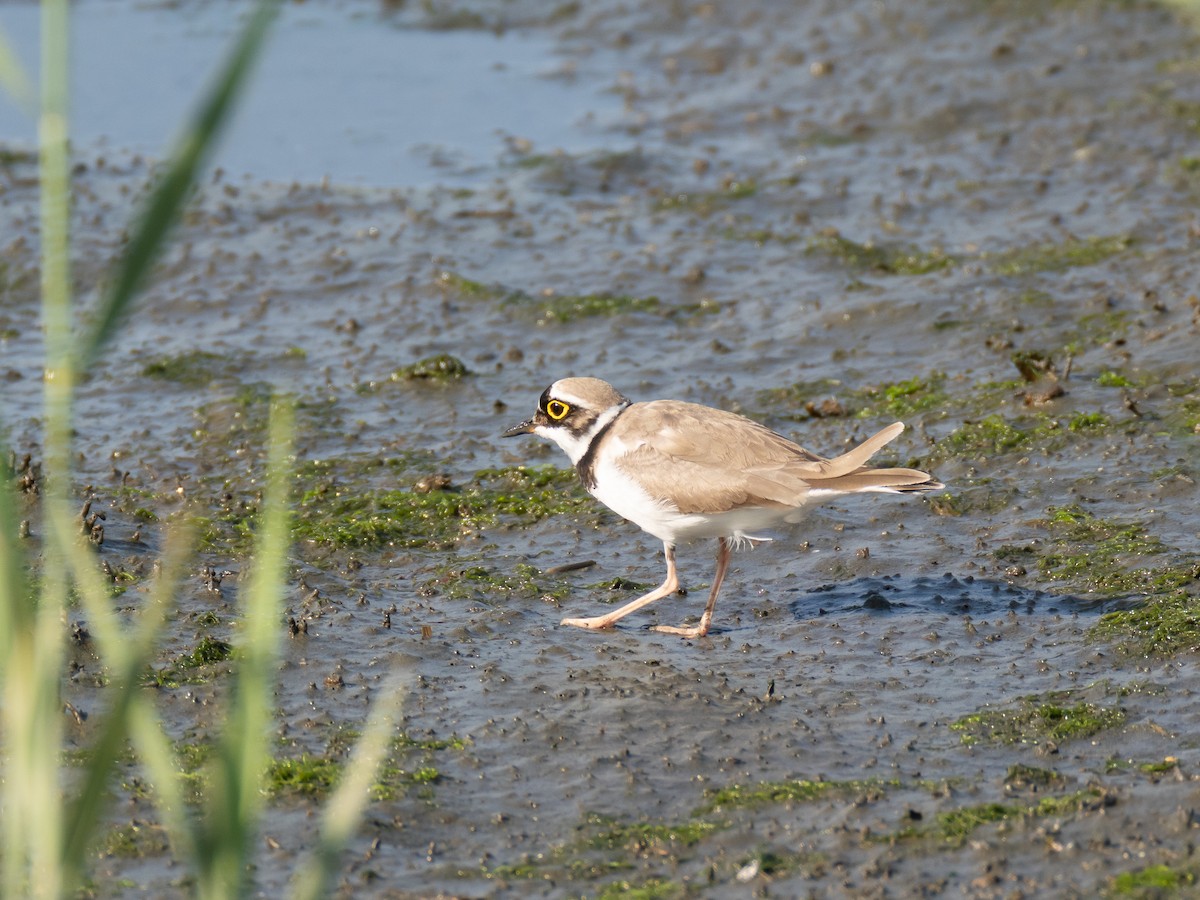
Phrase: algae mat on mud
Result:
[833,217]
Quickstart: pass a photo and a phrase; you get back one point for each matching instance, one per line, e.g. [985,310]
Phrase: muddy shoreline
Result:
[976,219]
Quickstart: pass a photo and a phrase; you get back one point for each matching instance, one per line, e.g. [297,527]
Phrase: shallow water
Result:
[345,92]
[979,131]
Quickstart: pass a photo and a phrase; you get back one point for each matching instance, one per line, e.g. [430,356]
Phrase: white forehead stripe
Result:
[556,393]
[569,399]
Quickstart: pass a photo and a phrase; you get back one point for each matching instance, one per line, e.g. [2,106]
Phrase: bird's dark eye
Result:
[557,410]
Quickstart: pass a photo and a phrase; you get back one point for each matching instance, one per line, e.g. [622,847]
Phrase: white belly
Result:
[628,499]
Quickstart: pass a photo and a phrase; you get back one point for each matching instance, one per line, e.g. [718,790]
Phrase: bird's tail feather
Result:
[895,481]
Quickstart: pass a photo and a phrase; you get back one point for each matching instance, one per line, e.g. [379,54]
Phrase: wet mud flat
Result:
[977,219]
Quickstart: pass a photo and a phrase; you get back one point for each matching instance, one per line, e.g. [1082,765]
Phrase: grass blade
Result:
[168,199]
[32,703]
[16,615]
[344,809]
[162,768]
[127,659]
[14,585]
[44,850]
[243,754]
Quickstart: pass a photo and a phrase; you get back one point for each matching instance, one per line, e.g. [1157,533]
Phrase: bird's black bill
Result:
[525,427]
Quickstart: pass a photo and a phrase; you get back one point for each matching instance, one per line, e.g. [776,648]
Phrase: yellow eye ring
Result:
[557,410]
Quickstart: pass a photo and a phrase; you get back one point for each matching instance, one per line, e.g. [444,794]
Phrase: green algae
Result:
[135,840]
[348,515]
[608,844]
[776,864]
[1161,626]
[442,367]
[467,287]
[894,399]
[671,840]
[1037,719]
[479,582]
[208,651]
[794,791]
[569,307]
[537,160]
[14,156]
[955,826]
[1183,414]
[1158,882]
[1088,421]
[903,398]
[1051,257]
[234,425]
[553,308]
[883,259]
[931,396]
[1155,768]
[610,833]
[791,401]
[1021,777]
[982,496]
[1075,525]
[194,368]
[311,775]
[305,775]
[1033,364]
[651,889]
[340,504]
[705,203]
[997,435]
[194,667]
[1109,378]
[1104,557]
[760,235]
[986,438]
[343,739]
[551,865]
[314,775]
[400,464]
[1035,297]
[405,741]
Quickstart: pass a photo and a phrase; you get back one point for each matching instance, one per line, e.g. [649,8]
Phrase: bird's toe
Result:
[683,631]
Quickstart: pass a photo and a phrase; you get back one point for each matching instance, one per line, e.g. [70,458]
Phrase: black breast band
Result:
[586,467]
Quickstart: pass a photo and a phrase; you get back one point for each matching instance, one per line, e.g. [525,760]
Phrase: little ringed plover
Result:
[681,472]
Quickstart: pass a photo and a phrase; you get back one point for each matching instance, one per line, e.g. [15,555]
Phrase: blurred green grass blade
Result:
[244,751]
[33,711]
[126,658]
[14,587]
[13,78]
[150,738]
[162,768]
[172,192]
[16,612]
[343,810]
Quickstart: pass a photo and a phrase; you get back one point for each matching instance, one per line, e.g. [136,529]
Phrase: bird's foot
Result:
[595,623]
[683,631]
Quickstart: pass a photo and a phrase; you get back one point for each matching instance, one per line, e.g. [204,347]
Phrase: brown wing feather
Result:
[709,460]
[693,487]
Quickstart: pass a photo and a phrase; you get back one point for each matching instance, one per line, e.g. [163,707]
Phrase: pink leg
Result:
[706,619]
[670,586]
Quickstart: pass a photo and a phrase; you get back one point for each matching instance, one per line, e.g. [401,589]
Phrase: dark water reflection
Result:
[948,593]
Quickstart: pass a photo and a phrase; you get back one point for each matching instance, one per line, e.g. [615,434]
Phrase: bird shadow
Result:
[946,594]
